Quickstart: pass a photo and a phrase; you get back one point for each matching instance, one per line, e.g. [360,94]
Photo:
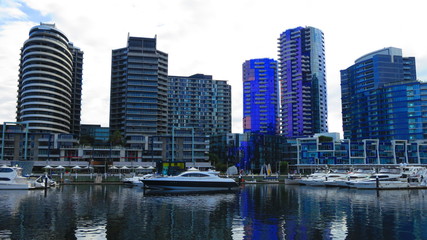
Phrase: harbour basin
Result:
[254,211]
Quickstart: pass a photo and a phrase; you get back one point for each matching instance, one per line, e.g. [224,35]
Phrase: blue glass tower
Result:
[302,82]
[260,96]
[381,98]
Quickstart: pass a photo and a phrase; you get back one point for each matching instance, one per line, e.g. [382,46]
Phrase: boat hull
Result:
[380,185]
[15,186]
[183,185]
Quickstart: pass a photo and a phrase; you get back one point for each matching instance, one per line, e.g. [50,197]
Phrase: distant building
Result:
[302,82]
[260,96]
[95,131]
[50,82]
[200,103]
[382,99]
[138,99]
[249,151]
[333,151]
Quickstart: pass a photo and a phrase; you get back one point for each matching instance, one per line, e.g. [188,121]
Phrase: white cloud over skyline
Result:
[212,37]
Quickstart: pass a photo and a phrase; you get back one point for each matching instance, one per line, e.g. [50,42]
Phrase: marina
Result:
[404,177]
[254,211]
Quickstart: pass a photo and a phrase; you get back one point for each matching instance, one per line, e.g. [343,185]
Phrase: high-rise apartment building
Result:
[50,80]
[138,99]
[260,96]
[302,79]
[200,103]
[382,99]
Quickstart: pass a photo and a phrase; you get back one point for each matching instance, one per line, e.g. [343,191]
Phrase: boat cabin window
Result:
[6,170]
[4,179]
[194,175]
[379,176]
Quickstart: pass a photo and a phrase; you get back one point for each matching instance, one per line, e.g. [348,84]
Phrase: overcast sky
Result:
[212,37]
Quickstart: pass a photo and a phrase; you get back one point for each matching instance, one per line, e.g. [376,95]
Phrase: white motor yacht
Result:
[314,179]
[336,178]
[192,179]
[11,179]
[356,176]
[380,181]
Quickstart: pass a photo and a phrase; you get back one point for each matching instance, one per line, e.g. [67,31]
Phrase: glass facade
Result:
[260,96]
[138,99]
[302,82]
[200,103]
[381,98]
[99,134]
[313,151]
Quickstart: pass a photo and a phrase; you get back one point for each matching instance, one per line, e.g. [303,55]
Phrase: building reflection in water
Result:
[91,229]
[263,211]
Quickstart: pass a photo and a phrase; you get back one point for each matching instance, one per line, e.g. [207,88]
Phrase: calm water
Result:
[254,212]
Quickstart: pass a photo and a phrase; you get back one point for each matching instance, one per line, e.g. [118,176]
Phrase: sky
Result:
[212,37]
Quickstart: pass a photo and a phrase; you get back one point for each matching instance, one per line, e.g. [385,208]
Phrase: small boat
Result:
[44,181]
[11,179]
[191,179]
[136,180]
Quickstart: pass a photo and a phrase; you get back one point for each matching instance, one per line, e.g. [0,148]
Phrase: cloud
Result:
[11,10]
[212,37]
[12,36]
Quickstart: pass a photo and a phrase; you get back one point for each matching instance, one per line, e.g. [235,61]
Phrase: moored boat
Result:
[192,179]
[314,179]
[136,180]
[11,179]
[335,178]
[293,179]
[44,181]
[380,182]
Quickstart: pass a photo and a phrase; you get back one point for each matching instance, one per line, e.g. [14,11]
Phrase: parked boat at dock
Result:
[44,181]
[191,179]
[136,180]
[314,178]
[11,179]
[380,182]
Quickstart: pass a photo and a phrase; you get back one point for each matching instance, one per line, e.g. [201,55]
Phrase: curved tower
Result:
[50,70]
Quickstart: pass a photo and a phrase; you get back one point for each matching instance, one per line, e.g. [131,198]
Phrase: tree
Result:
[87,140]
[284,167]
[325,139]
[116,138]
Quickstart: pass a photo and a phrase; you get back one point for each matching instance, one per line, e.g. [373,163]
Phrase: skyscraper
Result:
[260,96]
[138,99]
[201,103]
[50,79]
[302,82]
[382,99]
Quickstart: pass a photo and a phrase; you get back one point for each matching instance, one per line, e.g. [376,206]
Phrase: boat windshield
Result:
[194,175]
[6,170]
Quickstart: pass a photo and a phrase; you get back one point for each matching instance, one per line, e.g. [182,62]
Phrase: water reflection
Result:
[269,211]
[334,213]
[91,228]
